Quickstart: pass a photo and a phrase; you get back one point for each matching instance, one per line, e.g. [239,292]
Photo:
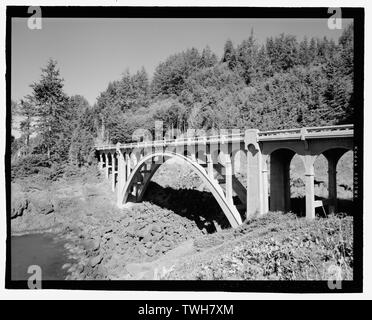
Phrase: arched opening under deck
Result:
[279,165]
[334,181]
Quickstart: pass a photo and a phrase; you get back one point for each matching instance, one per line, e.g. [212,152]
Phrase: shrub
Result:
[28,165]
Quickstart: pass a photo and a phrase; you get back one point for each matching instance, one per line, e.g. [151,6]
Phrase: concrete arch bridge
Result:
[131,166]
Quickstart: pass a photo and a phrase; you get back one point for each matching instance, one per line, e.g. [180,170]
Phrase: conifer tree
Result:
[50,101]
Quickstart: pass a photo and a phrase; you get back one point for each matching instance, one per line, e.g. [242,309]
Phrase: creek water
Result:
[43,250]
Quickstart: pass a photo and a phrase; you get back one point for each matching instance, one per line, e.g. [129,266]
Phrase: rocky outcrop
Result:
[19,206]
[143,233]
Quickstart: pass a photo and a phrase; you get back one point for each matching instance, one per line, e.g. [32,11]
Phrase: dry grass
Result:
[275,247]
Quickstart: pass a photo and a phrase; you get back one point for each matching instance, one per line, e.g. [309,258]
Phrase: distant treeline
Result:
[283,83]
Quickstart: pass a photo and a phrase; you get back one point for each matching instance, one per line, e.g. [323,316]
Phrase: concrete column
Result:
[309,185]
[192,149]
[287,185]
[228,178]
[106,166]
[121,179]
[254,181]
[310,195]
[332,184]
[128,161]
[210,170]
[265,185]
[113,170]
[100,161]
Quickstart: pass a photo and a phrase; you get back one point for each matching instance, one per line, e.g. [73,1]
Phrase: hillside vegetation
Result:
[274,247]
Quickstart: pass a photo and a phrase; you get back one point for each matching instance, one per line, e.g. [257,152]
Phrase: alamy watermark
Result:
[335,277]
[34,22]
[335,21]
[34,280]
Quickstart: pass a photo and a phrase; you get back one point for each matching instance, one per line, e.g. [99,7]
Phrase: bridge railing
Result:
[307,132]
[285,134]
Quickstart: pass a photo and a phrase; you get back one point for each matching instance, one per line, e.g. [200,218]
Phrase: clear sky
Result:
[91,52]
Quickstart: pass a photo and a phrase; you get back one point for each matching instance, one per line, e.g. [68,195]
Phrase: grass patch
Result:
[275,247]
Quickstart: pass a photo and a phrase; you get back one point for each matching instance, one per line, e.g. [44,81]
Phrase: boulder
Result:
[96,243]
[159,248]
[95,261]
[18,208]
[166,243]
[43,207]
[141,250]
[151,252]
[156,228]
[145,232]
[125,223]
[148,244]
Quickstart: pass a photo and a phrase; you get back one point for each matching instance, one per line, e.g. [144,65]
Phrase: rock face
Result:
[18,207]
[35,206]
[106,238]
[95,261]
[143,233]
[42,206]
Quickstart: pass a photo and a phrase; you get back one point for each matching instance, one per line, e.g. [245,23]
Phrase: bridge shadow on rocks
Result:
[203,209]
[198,206]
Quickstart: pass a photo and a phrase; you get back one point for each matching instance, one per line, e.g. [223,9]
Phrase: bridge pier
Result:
[254,174]
[228,178]
[333,156]
[107,166]
[310,195]
[210,169]
[309,186]
[121,178]
[113,171]
[127,158]
[100,165]
[265,185]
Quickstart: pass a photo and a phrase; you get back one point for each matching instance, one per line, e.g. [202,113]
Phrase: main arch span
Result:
[131,166]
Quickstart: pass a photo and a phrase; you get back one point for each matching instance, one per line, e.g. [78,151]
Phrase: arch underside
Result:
[145,169]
